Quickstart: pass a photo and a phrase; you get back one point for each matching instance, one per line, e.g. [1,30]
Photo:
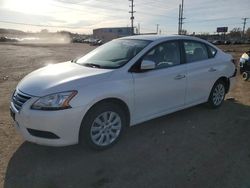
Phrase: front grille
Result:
[19,99]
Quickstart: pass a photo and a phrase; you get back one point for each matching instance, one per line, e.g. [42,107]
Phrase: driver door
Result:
[162,89]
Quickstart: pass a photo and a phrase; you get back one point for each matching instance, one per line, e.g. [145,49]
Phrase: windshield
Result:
[113,54]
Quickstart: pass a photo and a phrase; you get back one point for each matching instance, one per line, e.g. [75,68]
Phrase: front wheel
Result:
[103,126]
[217,94]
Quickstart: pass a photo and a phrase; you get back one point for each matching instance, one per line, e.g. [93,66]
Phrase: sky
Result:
[82,16]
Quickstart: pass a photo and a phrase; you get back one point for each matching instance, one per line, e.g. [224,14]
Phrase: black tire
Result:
[245,76]
[213,103]
[88,124]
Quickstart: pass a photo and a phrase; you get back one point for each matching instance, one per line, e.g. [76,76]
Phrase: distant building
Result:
[107,34]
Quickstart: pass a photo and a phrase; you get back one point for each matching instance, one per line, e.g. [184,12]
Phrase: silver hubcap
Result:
[218,94]
[105,128]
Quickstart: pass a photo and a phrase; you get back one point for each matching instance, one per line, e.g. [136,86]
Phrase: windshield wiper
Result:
[74,60]
[92,65]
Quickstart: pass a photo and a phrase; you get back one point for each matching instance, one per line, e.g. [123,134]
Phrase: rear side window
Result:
[212,51]
[195,51]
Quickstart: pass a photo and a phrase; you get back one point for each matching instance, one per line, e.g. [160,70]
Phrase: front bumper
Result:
[65,124]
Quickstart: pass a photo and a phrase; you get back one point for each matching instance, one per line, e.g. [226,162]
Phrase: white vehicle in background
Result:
[122,83]
[245,65]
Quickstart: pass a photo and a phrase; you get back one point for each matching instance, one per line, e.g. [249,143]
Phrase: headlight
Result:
[56,101]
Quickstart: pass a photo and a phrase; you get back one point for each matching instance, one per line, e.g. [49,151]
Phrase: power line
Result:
[153,14]
[38,25]
[203,8]
[109,8]
[213,19]
[155,5]
[81,10]
[161,3]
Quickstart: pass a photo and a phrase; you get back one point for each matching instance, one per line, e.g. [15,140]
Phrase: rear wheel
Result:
[217,94]
[245,76]
[103,126]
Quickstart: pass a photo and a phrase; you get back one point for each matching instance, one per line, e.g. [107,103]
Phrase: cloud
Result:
[7,15]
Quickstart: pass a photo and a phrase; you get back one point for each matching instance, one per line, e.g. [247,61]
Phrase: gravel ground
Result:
[196,147]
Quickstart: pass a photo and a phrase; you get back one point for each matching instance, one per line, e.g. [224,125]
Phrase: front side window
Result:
[195,51]
[113,54]
[164,55]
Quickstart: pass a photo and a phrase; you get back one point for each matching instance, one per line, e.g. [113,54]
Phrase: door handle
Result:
[212,69]
[180,76]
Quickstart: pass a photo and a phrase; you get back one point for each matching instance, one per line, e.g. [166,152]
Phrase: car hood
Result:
[60,77]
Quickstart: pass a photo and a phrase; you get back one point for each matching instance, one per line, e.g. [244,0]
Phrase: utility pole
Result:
[244,25]
[157,29]
[179,22]
[132,16]
[139,28]
[181,18]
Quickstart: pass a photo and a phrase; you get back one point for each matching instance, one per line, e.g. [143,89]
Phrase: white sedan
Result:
[122,83]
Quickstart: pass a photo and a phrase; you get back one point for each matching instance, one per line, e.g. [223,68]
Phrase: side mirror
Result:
[147,65]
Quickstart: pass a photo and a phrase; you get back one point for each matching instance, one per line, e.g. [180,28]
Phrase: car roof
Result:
[160,37]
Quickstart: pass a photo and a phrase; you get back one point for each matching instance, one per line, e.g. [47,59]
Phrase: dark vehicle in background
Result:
[227,42]
[247,41]
[217,42]
[245,65]
[91,41]
[6,39]
[96,42]
[100,42]
[77,40]
[236,42]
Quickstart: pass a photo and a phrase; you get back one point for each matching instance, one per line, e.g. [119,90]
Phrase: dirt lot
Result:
[197,147]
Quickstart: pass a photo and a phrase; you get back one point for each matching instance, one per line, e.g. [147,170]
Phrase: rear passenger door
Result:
[201,71]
